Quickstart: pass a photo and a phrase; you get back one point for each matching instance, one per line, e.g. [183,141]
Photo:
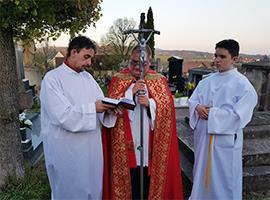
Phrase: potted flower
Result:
[190,86]
[24,123]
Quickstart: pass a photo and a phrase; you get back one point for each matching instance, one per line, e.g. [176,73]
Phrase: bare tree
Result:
[43,56]
[115,45]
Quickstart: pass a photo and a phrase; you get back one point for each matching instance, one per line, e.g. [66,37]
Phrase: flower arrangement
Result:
[177,94]
[24,123]
[190,85]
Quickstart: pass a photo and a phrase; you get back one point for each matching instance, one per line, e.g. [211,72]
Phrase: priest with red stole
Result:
[162,175]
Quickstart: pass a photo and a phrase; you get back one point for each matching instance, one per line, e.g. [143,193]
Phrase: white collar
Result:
[230,71]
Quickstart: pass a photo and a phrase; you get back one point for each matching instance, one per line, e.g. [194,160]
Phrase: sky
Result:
[192,24]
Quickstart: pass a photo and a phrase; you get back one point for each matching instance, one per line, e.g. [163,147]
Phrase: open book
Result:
[126,103]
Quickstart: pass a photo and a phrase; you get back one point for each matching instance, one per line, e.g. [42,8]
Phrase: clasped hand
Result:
[142,98]
[203,111]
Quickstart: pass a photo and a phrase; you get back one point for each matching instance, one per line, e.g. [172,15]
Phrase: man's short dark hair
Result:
[231,45]
[137,49]
[79,43]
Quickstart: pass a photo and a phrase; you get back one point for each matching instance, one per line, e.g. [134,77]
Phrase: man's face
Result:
[83,58]
[223,59]
[134,64]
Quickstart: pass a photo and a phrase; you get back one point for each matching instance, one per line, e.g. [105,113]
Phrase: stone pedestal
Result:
[26,144]
[23,134]
[181,102]
[259,75]
[34,152]
[25,95]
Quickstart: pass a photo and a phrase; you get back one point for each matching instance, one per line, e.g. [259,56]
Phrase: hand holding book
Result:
[125,102]
[100,107]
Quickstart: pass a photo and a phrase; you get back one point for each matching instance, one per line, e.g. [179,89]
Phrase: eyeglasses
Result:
[135,63]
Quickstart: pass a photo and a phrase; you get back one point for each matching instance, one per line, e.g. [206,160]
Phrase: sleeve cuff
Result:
[152,108]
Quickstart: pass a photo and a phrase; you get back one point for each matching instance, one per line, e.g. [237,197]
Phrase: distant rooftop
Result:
[202,70]
[175,58]
[263,63]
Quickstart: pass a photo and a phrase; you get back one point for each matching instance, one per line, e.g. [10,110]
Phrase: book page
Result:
[127,101]
[110,101]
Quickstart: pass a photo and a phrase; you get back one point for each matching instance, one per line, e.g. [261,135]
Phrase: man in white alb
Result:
[220,107]
[71,112]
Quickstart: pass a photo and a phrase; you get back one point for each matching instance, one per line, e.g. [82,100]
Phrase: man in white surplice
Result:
[71,112]
[220,107]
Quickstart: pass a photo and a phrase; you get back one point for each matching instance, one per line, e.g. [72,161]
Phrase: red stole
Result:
[119,156]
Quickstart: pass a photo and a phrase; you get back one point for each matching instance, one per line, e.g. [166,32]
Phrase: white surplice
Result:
[135,121]
[71,133]
[232,99]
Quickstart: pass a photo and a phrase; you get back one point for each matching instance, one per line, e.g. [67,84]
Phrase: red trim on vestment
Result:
[73,68]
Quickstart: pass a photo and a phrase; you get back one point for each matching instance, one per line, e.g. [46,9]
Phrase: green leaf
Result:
[17,2]
[34,12]
[5,25]
[36,18]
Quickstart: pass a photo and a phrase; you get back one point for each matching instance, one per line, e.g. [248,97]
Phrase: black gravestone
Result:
[175,72]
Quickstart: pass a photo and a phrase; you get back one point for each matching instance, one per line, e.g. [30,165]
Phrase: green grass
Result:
[34,185]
